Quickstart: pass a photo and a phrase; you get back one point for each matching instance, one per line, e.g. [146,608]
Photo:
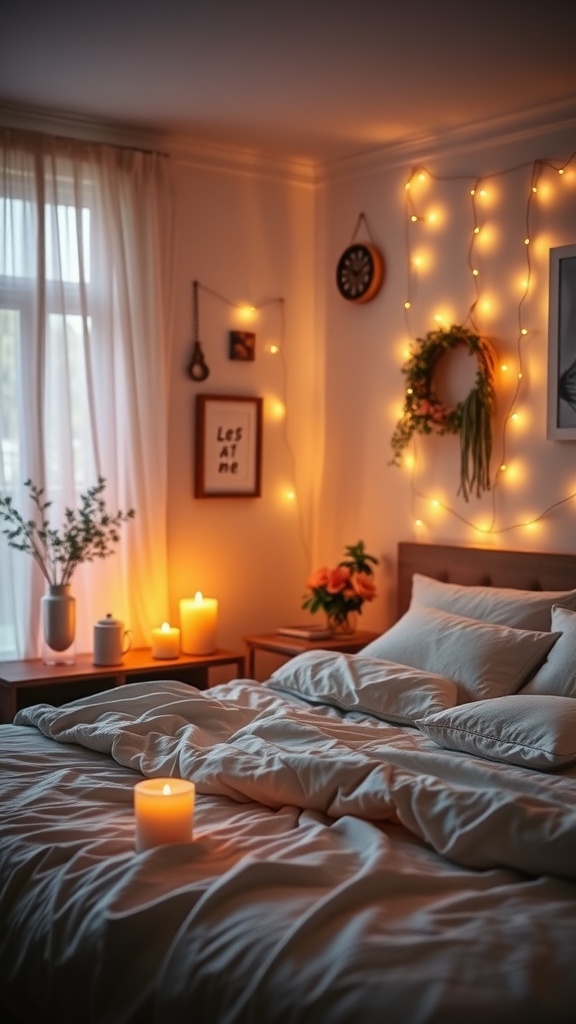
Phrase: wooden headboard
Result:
[522,570]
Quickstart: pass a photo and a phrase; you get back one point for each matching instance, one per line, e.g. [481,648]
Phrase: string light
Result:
[478,191]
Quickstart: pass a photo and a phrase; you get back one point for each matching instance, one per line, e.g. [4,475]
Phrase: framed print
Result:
[562,345]
[228,447]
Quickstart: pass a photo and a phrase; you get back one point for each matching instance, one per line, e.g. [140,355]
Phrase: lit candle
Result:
[164,811]
[166,641]
[198,618]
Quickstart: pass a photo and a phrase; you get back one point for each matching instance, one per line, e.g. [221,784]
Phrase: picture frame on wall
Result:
[562,344]
[228,447]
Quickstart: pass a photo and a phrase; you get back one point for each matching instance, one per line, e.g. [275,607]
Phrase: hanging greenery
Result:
[424,413]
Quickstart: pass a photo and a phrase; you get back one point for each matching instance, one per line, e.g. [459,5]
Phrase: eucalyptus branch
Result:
[87,533]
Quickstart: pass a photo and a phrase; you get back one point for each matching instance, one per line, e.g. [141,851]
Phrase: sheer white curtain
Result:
[85,325]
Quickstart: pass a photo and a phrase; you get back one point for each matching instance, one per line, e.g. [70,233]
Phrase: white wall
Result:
[362,494]
[249,239]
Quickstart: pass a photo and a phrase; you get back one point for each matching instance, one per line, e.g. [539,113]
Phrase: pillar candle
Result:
[198,620]
[164,811]
[165,641]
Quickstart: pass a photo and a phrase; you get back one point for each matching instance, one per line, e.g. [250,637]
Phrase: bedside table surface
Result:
[290,646]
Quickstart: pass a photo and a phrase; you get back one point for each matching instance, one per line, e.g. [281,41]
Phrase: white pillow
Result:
[558,673]
[352,682]
[483,659]
[523,609]
[533,732]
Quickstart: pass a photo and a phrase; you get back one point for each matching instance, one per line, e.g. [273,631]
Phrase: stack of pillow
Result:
[494,643]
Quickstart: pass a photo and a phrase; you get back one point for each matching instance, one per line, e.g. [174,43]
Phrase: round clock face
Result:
[359,273]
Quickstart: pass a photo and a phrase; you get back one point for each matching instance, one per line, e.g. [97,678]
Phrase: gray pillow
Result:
[483,659]
[523,609]
[529,731]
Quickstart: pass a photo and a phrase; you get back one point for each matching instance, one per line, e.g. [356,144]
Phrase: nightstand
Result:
[290,646]
[32,682]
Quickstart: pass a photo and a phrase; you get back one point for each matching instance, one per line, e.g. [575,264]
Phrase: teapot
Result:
[111,641]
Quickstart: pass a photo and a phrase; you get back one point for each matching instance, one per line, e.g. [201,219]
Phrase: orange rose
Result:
[338,578]
[319,578]
[364,586]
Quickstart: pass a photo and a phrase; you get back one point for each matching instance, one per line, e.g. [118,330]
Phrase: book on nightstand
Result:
[305,632]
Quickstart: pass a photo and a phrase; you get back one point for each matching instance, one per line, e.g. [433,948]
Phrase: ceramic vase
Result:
[58,617]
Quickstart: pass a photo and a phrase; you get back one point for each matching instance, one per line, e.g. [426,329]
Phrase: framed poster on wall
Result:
[228,450]
[562,344]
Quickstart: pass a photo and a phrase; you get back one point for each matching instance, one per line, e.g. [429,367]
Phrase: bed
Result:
[387,836]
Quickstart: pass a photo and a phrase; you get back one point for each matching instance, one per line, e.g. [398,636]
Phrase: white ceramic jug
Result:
[111,641]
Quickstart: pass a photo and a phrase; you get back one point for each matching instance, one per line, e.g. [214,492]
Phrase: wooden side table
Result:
[290,646]
[23,683]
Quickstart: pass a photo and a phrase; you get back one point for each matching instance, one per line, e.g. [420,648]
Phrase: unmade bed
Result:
[386,836]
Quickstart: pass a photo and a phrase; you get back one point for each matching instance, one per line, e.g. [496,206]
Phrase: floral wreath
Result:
[424,413]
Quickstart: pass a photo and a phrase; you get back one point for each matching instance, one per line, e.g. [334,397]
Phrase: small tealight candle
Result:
[166,641]
[164,811]
[198,620]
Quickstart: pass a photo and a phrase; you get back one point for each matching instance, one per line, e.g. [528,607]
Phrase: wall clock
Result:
[360,272]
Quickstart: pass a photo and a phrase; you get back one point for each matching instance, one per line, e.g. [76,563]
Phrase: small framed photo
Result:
[242,346]
[562,344]
[228,461]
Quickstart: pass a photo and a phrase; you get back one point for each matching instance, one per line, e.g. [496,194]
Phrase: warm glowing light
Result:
[476,230]
[246,312]
[408,186]
[274,349]
[409,391]
[520,375]
[504,367]
[503,467]
[291,495]
[526,241]
[409,461]
[560,170]
[407,305]
[475,272]
[435,503]
[523,331]
[419,522]
[275,409]
[413,218]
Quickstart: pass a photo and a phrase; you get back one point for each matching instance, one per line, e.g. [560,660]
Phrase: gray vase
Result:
[58,609]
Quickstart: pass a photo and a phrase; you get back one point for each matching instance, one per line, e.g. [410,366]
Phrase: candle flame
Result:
[166,791]
[165,627]
[198,597]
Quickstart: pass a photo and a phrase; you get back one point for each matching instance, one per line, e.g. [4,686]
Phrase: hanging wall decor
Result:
[424,413]
[562,344]
[198,369]
[228,447]
[242,346]
[360,269]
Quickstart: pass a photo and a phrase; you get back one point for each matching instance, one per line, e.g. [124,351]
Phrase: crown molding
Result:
[547,119]
[183,149]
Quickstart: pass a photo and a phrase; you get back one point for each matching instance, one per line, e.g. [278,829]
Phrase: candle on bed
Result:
[164,811]
[166,641]
[198,619]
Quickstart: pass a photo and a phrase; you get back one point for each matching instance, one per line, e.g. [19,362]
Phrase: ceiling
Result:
[316,80]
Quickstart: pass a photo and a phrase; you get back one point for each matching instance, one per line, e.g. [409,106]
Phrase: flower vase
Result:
[342,625]
[58,616]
